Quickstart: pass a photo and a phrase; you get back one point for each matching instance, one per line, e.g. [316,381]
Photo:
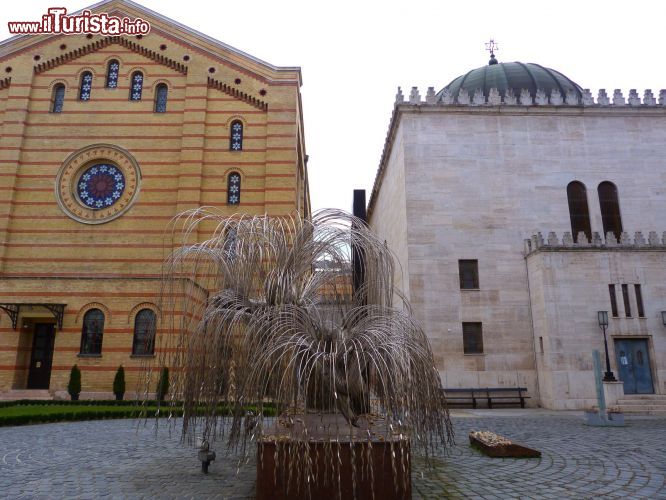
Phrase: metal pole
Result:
[608,376]
[601,399]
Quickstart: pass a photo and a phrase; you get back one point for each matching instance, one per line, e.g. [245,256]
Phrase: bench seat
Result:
[491,395]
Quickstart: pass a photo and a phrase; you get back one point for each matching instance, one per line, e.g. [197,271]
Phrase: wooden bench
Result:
[491,395]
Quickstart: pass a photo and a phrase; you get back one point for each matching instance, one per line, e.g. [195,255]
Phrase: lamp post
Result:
[602,316]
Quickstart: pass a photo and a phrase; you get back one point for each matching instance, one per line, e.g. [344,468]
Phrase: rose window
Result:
[100,186]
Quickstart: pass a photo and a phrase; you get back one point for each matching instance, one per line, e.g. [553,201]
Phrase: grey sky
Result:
[354,54]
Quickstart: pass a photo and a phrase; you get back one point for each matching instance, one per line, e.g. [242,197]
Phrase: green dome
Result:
[515,76]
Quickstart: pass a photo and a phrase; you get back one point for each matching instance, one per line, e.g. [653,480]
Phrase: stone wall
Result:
[392,225]
[568,286]
[480,177]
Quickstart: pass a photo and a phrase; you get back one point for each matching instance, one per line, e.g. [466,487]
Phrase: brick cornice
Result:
[105,42]
[234,92]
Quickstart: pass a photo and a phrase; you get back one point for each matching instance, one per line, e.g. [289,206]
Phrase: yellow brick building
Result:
[103,140]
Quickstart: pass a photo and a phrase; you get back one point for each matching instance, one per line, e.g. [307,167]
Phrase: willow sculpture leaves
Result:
[264,312]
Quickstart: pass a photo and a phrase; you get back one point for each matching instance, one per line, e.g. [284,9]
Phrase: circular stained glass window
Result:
[100,186]
[98,183]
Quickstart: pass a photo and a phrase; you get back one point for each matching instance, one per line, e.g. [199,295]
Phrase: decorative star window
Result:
[97,184]
[137,86]
[233,189]
[112,74]
[236,139]
[86,86]
[101,186]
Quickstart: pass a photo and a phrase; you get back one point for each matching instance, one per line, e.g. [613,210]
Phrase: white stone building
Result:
[479,191]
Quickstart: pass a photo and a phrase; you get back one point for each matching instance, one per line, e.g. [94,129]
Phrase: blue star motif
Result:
[101,186]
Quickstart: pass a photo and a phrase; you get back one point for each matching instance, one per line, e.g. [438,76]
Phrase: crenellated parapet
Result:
[495,97]
[653,241]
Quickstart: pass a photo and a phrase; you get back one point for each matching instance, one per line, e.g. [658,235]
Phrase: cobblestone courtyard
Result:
[118,459]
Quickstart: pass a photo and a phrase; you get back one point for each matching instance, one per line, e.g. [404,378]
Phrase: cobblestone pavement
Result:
[577,461]
[119,459]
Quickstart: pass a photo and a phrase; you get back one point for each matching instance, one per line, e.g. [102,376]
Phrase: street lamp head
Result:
[602,316]
[663,317]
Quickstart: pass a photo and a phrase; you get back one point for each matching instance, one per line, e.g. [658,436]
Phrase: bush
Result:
[35,412]
[162,384]
[119,383]
[74,385]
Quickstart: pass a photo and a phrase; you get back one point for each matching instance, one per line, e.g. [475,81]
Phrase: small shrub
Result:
[74,385]
[162,384]
[119,383]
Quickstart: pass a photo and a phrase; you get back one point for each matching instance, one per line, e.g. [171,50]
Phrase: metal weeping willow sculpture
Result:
[264,313]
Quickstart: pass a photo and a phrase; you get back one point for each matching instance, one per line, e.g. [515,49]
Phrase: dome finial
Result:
[491,47]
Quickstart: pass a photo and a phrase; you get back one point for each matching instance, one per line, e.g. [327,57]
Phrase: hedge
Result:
[40,418]
[108,402]
[81,402]
[134,411]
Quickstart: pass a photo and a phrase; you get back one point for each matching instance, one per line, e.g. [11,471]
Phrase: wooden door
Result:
[39,376]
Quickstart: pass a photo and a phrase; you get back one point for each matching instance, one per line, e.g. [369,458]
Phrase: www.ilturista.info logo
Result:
[57,21]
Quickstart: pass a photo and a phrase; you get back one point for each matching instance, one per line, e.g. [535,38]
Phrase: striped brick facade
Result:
[184,159]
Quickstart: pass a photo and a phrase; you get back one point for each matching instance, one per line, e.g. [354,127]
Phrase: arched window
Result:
[86,86]
[578,210]
[236,137]
[58,98]
[136,86]
[93,330]
[610,209]
[112,74]
[161,92]
[144,333]
[233,188]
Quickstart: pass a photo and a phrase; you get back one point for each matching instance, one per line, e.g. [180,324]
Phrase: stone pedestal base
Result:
[596,419]
[612,392]
[358,465]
